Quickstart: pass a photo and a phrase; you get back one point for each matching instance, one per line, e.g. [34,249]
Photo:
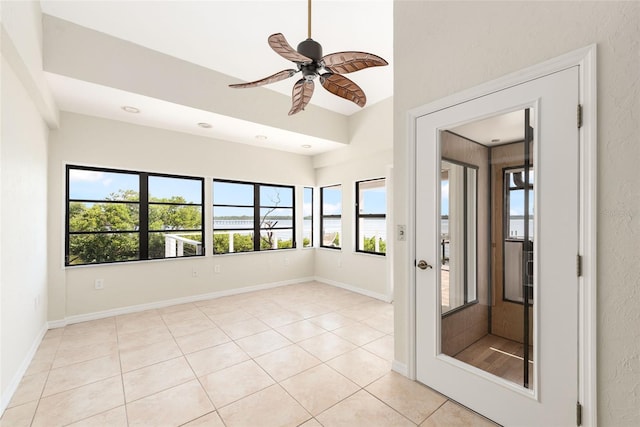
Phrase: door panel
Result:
[551,393]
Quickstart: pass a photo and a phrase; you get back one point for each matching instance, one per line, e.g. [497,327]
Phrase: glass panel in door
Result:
[486,206]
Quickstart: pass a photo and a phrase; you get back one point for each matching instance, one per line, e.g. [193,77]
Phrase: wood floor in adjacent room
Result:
[308,354]
[498,356]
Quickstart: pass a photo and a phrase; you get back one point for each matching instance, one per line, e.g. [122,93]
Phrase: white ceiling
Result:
[229,37]
[495,130]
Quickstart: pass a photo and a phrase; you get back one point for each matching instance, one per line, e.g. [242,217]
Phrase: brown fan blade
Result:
[348,62]
[344,88]
[301,95]
[284,74]
[280,45]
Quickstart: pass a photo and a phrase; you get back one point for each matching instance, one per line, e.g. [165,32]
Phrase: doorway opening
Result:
[487,245]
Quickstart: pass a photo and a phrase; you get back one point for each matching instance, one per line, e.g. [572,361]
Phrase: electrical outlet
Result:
[194,273]
[216,268]
[99,284]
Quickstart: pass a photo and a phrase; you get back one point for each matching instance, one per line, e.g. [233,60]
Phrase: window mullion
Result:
[143,221]
[256,217]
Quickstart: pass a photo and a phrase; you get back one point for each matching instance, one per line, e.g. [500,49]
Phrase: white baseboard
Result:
[7,394]
[400,368]
[376,295]
[166,303]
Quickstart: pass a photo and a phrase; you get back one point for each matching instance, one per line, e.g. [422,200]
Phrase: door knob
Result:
[423,265]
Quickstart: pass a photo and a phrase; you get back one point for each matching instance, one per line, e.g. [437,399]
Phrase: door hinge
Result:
[579,116]
[578,414]
[579,265]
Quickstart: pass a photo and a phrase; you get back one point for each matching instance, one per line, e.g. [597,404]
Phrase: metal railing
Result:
[174,245]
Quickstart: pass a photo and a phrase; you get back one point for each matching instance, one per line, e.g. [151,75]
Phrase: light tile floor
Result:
[300,355]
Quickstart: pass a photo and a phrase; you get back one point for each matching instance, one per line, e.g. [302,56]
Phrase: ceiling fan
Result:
[329,68]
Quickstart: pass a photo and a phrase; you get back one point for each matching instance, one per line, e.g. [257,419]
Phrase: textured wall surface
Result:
[444,47]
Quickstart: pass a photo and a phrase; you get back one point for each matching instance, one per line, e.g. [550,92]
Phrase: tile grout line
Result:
[184,356]
[124,394]
[35,411]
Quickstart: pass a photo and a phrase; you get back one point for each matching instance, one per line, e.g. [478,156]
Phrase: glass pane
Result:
[100,185]
[271,217]
[230,241]
[232,193]
[276,239]
[458,209]
[103,216]
[174,217]
[516,200]
[332,200]
[274,196]
[307,207]
[103,247]
[169,245]
[331,229]
[230,217]
[471,210]
[486,246]
[242,242]
[307,223]
[175,190]
[373,197]
[373,235]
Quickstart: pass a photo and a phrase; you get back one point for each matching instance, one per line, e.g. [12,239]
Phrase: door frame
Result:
[585,58]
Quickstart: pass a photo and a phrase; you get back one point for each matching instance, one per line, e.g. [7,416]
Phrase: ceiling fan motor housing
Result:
[311,49]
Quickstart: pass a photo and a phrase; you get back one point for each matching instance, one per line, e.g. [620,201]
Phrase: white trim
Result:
[399,367]
[376,295]
[391,236]
[411,247]
[7,394]
[166,303]
[585,58]
[587,374]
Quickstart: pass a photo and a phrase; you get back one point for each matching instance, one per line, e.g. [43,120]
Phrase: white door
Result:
[550,394]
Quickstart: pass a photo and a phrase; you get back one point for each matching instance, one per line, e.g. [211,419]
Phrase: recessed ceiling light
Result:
[261,137]
[130,109]
[205,125]
[306,146]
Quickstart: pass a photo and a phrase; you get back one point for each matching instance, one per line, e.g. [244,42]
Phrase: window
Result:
[331,216]
[517,188]
[307,218]
[252,217]
[371,218]
[116,215]
[515,193]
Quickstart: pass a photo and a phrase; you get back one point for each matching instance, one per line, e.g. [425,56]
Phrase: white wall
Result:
[23,186]
[369,155]
[444,47]
[84,140]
